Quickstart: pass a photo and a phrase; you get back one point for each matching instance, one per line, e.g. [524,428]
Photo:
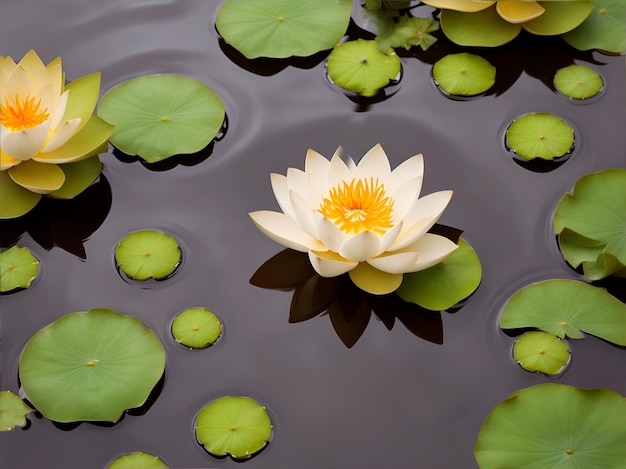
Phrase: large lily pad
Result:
[554,426]
[567,308]
[158,116]
[540,135]
[464,74]
[283,28]
[483,28]
[18,268]
[139,460]
[13,411]
[603,29]
[542,352]
[91,366]
[148,254]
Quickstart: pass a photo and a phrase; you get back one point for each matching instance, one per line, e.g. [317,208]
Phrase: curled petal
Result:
[389,237]
[468,6]
[330,264]
[432,249]
[372,280]
[7,161]
[281,192]
[329,233]
[59,110]
[303,213]
[361,246]
[40,178]
[24,144]
[396,263]
[62,135]
[515,11]
[316,171]
[278,227]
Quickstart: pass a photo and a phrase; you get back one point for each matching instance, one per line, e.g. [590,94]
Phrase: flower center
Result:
[20,114]
[360,205]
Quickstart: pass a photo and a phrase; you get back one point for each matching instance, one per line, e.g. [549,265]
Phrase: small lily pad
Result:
[542,352]
[158,116]
[148,254]
[139,460]
[567,308]
[13,411]
[464,74]
[445,284]
[578,81]
[556,426]
[540,135]
[361,67]
[18,268]
[196,327]
[234,425]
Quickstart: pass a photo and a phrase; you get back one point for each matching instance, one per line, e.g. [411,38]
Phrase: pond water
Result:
[393,399]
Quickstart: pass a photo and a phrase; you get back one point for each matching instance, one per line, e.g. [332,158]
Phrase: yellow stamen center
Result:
[20,114]
[91,363]
[569,452]
[360,205]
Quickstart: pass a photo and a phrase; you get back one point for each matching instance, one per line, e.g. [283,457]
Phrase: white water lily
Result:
[363,219]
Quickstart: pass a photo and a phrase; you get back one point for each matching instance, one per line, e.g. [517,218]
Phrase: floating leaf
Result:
[234,425]
[591,224]
[91,366]
[603,29]
[555,426]
[542,352]
[148,254]
[444,285]
[283,28]
[483,28]
[565,308]
[139,460]
[13,411]
[559,17]
[464,74]
[578,81]
[407,32]
[361,67]
[196,327]
[158,116]
[18,268]
[539,135]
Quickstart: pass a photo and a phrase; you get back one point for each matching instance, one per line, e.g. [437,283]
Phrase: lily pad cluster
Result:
[18,268]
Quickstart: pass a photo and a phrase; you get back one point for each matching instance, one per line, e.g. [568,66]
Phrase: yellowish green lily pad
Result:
[542,352]
[578,81]
[13,411]
[464,74]
[540,135]
[233,425]
[196,327]
[148,254]
[139,460]
[18,268]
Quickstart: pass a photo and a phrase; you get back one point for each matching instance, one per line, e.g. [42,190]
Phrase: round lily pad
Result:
[542,352]
[361,67]
[283,28]
[539,135]
[445,284]
[578,81]
[139,460]
[555,426]
[464,74]
[158,116]
[148,254]
[234,425]
[13,411]
[603,29]
[196,327]
[18,268]
[91,366]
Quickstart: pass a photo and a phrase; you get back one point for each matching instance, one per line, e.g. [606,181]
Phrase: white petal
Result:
[24,144]
[329,233]
[405,197]
[374,164]
[351,165]
[361,246]
[281,192]
[316,170]
[389,237]
[297,182]
[57,113]
[17,84]
[303,213]
[65,131]
[412,234]
[330,264]
[398,263]
[432,249]
[278,227]
[408,170]
[337,171]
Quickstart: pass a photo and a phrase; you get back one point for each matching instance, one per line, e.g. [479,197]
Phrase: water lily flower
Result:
[363,219]
[49,137]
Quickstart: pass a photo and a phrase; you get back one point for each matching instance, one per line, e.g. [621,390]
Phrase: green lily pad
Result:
[444,285]
[567,308]
[148,254]
[407,32]
[196,327]
[482,28]
[91,366]
[555,426]
[283,28]
[539,135]
[542,352]
[361,67]
[578,81]
[603,29]
[13,411]
[158,116]
[15,201]
[591,224]
[559,17]
[464,74]
[139,460]
[234,425]
[18,268]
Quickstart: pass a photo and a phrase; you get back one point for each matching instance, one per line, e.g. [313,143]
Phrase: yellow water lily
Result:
[49,137]
[362,218]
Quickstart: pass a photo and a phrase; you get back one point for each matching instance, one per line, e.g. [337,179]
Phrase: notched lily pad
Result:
[464,74]
[233,425]
[578,81]
[542,352]
[603,29]
[148,254]
[139,460]
[196,327]
[13,411]
[18,268]
[540,135]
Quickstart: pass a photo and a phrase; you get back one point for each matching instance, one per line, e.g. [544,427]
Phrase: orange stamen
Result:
[20,114]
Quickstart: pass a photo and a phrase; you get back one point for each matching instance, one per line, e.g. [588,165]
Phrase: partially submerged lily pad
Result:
[148,254]
[542,352]
[361,67]
[464,74]
[18,268]
[603,29]
[555,426]
[196,327]
[567,308]
[233,425]
[445,284]
[578,81]
[158,116]
[91,366]
[139,460]
[13,411]
[539,135]
[283,28]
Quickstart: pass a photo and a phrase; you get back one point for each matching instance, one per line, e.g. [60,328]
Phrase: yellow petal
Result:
[515,11]
[330,264]
[62,135]
[24,144]
[39,178]
[35,70]
[7,161]
[374,281]
[467,6]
